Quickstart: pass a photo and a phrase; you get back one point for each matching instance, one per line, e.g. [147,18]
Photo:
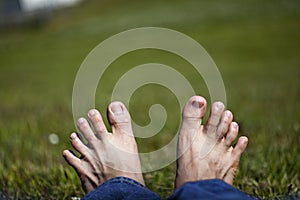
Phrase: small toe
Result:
[229,178]
[214,119]
[193,113]
[232,133]
[240,146]
[72,160]
[236,152]
[119,118]
[98,124]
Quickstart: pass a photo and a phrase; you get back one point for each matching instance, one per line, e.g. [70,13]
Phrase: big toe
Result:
[193,113]
[119,118]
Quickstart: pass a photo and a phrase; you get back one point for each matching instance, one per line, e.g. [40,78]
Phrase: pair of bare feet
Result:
[206,151]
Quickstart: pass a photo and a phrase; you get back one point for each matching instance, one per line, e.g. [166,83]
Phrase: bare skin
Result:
[206,151]
[107,155]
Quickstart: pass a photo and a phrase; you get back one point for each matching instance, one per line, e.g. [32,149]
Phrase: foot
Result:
[205,152]
[107,155]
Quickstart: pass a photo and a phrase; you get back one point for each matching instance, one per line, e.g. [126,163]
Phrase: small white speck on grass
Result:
[53,138]
[75,198]
[297,127]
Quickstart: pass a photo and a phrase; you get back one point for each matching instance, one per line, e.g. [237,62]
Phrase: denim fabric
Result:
[208,189]
[126,188]
[121,188]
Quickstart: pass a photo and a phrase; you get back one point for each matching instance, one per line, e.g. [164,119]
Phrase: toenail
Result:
[228,114]
[197,104]
[73,136]
[80,120]
[219,105]
[244,140]
[117,109]
[92,112]
[234,125]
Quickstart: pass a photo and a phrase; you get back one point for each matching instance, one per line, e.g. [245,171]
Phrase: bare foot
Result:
[107,155]
[205,151]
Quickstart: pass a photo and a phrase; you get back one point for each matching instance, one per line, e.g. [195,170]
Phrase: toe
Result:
[193,113]
[119,118]
[214,119]
[226,119]
[86,130]
[229,177]
[236,152]
[98,124]
[88,181]
[232,133]
[240,146]
[72,160]
[78,145]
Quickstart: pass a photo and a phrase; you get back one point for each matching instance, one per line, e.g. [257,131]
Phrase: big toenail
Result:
[197,104]
[117,109]
[92,112]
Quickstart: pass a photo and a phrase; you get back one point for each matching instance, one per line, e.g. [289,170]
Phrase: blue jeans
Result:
[126,188]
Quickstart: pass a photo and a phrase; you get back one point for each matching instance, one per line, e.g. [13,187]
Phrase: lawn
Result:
[255,45]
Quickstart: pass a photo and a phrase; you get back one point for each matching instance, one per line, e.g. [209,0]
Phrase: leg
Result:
[121,188]
[205,151]
[107,155]
[214,189]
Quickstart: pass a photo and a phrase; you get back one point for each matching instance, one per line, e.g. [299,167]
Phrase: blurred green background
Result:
[255,45]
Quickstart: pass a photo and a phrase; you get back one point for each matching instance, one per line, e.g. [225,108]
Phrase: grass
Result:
[255,45]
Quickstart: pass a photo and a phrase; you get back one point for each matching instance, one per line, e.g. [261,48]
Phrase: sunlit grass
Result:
[255,46]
